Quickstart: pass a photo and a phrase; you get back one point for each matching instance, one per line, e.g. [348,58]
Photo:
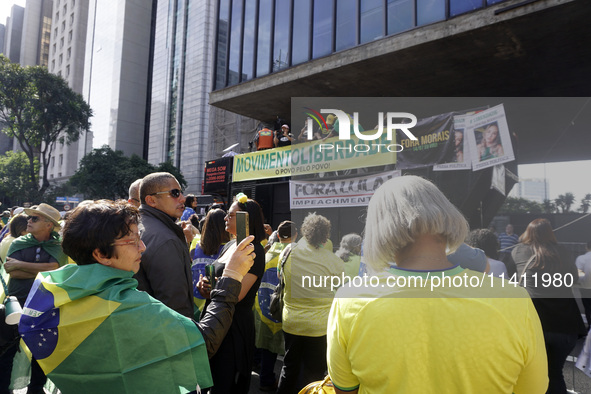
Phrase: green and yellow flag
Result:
[93,332]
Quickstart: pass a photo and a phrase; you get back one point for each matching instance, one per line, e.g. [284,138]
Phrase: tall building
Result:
[536,190]
[181,79]
[36,33]
[67,50]
[14,33]
[269,51]
[116,73]
[2,37]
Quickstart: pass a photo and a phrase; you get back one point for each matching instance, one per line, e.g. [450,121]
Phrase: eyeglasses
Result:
[137,242]
[135,199]
[33,219]
[174,193]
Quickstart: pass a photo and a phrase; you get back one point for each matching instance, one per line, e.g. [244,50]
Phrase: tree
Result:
[585,203]
[548,206]
[40,109]
[15,183]
[565,201]
[105,173]
[519,205]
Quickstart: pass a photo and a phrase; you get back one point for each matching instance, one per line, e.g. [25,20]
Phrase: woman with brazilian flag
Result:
[92,331]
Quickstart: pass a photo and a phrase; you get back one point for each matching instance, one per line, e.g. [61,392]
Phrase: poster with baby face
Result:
[488,137]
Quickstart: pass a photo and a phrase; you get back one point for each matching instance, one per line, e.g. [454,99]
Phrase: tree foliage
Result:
[585,203]
[15,183]
[548,206]
[105,173]
[40,109]
[565,201]
[519,205]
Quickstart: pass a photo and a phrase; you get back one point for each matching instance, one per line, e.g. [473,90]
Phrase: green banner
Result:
[315,157]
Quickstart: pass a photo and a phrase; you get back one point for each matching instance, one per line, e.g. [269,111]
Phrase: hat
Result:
[47,211]
[5,213]
[286,229]
[285,126]
[330,119]
[17,211]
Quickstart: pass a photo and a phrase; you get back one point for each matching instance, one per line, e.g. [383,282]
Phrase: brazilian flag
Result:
[268,331]
[93,332]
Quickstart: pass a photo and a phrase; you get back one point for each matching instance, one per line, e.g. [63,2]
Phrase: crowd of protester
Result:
[150,255]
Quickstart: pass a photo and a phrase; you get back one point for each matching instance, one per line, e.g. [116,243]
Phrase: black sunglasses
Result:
[174,193]
[33,219]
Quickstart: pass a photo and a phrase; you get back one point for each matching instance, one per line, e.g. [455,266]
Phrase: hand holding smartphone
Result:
[210,274]
[242,226]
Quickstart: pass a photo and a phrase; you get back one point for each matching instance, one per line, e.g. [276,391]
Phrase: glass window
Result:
[322,29]
[457,7]
[372,20]
[281,38]
[264,44]
[72,19]
[301,32]
[400,15]
[346,24]
[235,43]
[429,11]
[222,41]
[248,46]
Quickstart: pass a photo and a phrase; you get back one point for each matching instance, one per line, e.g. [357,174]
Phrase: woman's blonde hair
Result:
[404,208]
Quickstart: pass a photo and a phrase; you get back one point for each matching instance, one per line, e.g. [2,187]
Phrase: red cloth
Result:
[265,140]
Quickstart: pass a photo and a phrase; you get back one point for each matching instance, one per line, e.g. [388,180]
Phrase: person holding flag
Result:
[269,335]
[38,251]
[92,331]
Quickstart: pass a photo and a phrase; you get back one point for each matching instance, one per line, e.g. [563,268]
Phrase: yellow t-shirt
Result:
[308,296]
[384,341]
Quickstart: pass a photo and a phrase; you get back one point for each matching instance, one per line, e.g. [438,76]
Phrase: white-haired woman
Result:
[444,337]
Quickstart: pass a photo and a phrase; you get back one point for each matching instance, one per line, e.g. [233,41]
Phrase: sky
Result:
[6,5]
[562,177]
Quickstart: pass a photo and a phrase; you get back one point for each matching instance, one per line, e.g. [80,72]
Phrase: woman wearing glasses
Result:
[120,339]
[231,366]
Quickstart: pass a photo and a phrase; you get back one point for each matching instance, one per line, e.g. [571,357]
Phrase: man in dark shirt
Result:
[38,251]
[284,137]
[165,272]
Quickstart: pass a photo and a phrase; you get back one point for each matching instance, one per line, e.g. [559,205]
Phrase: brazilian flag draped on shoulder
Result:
[268,331]
[93,332]
[53,246]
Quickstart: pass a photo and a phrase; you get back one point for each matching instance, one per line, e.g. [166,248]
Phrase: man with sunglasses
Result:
[165,272]
[38,251]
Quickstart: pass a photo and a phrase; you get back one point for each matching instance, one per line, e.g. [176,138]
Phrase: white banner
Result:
[352,192]
[498,178]
[461,159]
[489,139]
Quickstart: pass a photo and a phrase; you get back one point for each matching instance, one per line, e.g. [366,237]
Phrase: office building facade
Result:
[181,79]
[67,49]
